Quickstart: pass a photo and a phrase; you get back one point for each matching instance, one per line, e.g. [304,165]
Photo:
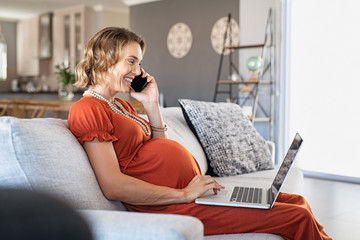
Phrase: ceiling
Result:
[18,9]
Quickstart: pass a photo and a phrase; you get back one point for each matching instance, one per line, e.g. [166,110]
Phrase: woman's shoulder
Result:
[89,107]
[88,103]
[89,118]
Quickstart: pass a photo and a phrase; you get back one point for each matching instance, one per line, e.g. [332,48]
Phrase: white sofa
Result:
[43,155]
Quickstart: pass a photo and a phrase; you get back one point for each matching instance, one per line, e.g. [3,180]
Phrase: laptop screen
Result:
[285,166]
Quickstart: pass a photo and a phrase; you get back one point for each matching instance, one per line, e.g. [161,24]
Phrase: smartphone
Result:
[138,83]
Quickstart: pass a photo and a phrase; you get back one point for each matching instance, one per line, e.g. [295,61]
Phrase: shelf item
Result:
[243,82]
[250,91]
[245,46]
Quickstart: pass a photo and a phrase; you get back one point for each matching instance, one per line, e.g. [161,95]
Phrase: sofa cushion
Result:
[42,154]
[112,225]
[231,143]
[179,131]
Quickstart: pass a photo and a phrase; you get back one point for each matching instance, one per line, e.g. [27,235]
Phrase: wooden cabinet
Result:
[27,47]
[72,29]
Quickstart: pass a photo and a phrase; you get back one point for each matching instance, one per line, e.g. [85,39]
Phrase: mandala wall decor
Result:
[218,31]
[179,40]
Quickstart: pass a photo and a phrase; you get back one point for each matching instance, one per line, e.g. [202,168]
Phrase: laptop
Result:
[252,197]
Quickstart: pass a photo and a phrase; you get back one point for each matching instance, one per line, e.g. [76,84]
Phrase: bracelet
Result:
[159,129]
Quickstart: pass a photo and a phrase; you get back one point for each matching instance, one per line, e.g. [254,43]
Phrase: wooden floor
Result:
[336,205]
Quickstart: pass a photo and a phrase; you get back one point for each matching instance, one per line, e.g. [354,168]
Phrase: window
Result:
[323,85]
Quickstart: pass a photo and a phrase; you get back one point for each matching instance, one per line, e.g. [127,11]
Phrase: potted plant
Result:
[66,79]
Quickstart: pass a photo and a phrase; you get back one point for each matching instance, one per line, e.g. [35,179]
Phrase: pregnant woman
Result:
[134,161]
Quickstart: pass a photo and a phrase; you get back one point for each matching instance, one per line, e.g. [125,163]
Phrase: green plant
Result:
[65,76]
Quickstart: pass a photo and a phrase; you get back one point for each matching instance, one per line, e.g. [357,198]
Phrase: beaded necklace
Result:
[123,111]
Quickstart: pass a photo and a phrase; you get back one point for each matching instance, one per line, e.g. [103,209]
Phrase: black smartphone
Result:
[138,83]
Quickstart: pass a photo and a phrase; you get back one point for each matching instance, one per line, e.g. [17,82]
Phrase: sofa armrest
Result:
[108,225]
[271,146]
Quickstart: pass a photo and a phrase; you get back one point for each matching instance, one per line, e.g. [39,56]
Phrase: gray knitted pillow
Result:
[231,143]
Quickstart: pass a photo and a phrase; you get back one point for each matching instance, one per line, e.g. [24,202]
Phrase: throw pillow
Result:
[231,143]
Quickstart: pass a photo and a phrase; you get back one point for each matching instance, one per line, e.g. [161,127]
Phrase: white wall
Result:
[253,18]
[324,84]
[112,17]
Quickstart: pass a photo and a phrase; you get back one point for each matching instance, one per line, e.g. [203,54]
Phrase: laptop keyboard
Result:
[245,194]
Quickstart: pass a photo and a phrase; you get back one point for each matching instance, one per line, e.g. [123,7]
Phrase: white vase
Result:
[65,92]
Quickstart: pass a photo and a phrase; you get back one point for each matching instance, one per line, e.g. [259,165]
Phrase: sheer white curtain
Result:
[323,84]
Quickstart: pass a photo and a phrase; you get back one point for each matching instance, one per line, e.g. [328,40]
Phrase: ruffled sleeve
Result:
[89,119]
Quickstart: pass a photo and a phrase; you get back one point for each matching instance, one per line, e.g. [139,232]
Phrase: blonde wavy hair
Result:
[103,51]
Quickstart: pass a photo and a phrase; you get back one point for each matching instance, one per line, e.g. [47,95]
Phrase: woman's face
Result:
[119,77]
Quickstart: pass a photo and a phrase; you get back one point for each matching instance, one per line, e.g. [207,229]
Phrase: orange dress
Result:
[167,163]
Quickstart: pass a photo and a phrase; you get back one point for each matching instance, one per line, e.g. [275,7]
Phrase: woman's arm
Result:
[156,120]
[119,187]
[149,97]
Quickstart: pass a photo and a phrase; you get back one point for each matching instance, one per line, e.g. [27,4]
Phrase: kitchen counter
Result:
[53,96]
[49,102]
[54,107]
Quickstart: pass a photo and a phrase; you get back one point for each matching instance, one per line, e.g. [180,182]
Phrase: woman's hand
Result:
[200,185]
[150,94]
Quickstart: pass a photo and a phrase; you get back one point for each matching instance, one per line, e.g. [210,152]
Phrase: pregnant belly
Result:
[163,162]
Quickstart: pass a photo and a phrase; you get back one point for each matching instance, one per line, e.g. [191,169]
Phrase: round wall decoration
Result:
[179,40]
[218,31]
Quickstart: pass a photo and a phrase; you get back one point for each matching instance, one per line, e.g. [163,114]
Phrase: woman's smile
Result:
[128,80]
